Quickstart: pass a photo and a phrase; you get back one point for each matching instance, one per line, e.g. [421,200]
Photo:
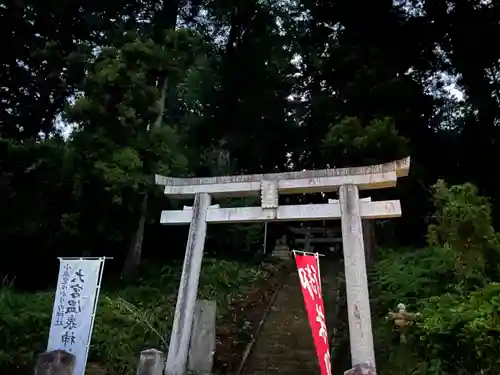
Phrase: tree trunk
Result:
[135,249]
[165,19]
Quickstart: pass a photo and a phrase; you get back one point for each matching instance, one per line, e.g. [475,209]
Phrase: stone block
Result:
[152,362]
[362,369]
[202,346]
[55,362]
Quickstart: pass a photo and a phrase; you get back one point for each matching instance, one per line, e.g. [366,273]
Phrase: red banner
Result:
[310,281]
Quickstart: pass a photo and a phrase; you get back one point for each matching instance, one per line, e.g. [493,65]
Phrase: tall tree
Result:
[248,112]
[122,141]
[49,45]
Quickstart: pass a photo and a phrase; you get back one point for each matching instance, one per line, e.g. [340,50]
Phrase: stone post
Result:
[358,302]
[183,319]
[202,347]
[56,362]
[152,362]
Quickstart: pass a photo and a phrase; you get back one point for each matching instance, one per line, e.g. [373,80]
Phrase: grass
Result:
[129,319]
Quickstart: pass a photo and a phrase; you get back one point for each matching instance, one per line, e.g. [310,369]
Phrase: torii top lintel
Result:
[313,181]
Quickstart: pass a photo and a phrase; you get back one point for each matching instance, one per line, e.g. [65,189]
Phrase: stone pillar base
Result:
[56,362]
[202,346]
[364,369]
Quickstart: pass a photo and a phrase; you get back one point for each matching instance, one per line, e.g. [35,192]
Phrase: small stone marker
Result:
[281,249]
[152,362]
[56,362]
[202,347]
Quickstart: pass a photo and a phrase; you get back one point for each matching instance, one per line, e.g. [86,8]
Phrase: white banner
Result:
[74,308]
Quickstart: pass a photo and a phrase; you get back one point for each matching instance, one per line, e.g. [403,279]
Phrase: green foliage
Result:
[461,334]
[137,316]
[352,143]
[463,224]
[31,217]
[458,332]
[48,62]
[239,241]
[410,276]
[122,138]
[23,312]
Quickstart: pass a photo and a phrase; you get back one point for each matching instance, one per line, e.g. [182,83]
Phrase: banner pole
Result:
[308,253]
[94,308]
[319,275]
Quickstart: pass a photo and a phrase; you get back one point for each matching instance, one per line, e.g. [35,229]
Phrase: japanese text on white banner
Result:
[74,308]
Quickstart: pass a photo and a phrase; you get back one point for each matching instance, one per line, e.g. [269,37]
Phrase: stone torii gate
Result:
[349,208]
[315,235]
[310,235]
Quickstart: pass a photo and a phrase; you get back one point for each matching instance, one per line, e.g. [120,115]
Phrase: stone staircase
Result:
[285,344]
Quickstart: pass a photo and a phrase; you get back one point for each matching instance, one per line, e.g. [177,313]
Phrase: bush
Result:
[458,332]
[460,335]
[409,276]
[463,223]
[452,284]
[128,320]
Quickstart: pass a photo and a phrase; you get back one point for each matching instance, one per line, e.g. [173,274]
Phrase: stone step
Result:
[285,344]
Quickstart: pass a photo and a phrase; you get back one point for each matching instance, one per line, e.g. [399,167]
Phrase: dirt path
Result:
[285,344]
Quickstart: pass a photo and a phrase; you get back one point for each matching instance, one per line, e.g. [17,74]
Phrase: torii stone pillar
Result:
[178,349]
[358,301]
